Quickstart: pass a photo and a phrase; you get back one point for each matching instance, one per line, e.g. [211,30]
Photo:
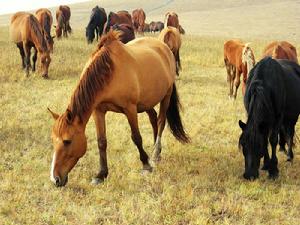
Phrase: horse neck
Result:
[38,38]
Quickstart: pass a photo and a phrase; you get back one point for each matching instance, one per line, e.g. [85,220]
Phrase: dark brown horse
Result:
[138,20]
[121,17]
[171,19]
[44,17]
[63,15]
[116,78]
[26,32]
[281,50]
[239,59]
[127,32]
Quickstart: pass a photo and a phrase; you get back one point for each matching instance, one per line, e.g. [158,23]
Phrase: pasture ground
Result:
[198,183]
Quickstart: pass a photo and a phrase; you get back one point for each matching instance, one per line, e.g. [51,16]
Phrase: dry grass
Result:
[199,183]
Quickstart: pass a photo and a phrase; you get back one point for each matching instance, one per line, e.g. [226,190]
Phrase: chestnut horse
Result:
[281,50]
[171,36]
[44,17]
[27,32]
[171,19]
[116,78]
[138,20]
[63,15]
[127,32]
[121,17]
[239,59]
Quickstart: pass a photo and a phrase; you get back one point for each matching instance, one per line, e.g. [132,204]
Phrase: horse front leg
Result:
[99,118]
[290,138]
[22,53]
[34,58]
[27,48]
[236,83]
[131,114]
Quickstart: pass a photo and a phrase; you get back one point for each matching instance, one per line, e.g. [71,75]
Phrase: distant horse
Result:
[96,24]
[44,17]
[171,36]
[281,50]
[171,20]
[147,28]
[26,32]
[116,78]
[239,59]
[127,32]
[63,15]
[272,101]
[156,26]
[138,20]
[121,17]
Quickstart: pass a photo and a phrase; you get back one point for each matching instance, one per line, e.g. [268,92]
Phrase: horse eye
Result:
[67,142]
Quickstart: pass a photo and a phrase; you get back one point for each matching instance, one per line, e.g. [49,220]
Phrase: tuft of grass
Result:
[198,183]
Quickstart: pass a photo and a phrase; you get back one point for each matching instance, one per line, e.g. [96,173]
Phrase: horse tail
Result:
[174,119]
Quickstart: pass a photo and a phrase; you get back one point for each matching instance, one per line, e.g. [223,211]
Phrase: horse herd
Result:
[270,87]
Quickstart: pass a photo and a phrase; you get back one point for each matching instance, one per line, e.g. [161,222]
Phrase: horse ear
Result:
[69,116]
[242,125]
[54,115]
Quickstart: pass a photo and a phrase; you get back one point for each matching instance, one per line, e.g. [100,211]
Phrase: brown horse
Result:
[26,32]
[116,78]
[239,59]
[63,15]
[121,17]
[138,20]
[44,17]
[171,36]
[171,19]
[156,26]
[127,32]
[281,50]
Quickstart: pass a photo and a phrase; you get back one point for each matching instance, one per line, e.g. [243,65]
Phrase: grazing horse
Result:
[171,36]
[127,32]
[138,20]
[171,19]
[44,17]
[272,101]
[26,32]
[121,17]
[96,24]
[239,59]
[116,78]
[281,50]
[63,15]
[156,26]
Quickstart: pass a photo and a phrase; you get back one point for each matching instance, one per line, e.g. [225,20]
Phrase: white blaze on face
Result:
[52,168]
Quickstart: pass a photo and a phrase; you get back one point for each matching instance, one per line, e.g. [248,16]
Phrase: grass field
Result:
[198,183]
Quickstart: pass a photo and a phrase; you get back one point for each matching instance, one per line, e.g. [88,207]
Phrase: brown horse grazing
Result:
[281,50]
[127,32]
[26,32]
[116,78]
[171,19]
[63,15]
[138,20]
[44,17]
[121,17]
[171,36]
[239,59]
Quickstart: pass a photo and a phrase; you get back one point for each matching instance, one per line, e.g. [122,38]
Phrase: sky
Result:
[11,6]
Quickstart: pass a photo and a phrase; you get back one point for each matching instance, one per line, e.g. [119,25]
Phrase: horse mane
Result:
[248,57]
[38,33]
[94,78]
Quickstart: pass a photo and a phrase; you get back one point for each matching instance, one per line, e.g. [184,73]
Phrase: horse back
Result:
[281,50]
[233,53]
[20,26]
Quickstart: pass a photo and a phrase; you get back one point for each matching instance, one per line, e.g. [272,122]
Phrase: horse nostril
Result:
[57,181]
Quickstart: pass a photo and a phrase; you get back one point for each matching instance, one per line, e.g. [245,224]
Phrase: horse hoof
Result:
[289,159]
[274,175]
[147,169]
[96,181]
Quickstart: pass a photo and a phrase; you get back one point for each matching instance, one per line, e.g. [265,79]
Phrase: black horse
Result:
[272,102]
[96,24]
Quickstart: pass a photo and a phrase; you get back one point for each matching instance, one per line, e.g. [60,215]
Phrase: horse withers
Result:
[26,32]
[238,59]
[96,24]
[103,87]
[44,17]
[272,102]
[281,50]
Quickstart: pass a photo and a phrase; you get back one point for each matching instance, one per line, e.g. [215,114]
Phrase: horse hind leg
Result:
[236,83]
[153,120]
[131,114]
[290,138]
[27,48]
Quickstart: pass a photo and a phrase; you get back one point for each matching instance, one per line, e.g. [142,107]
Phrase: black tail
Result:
[178,63]
[174,119]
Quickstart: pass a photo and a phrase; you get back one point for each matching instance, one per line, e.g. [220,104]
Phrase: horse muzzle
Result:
[60,182]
